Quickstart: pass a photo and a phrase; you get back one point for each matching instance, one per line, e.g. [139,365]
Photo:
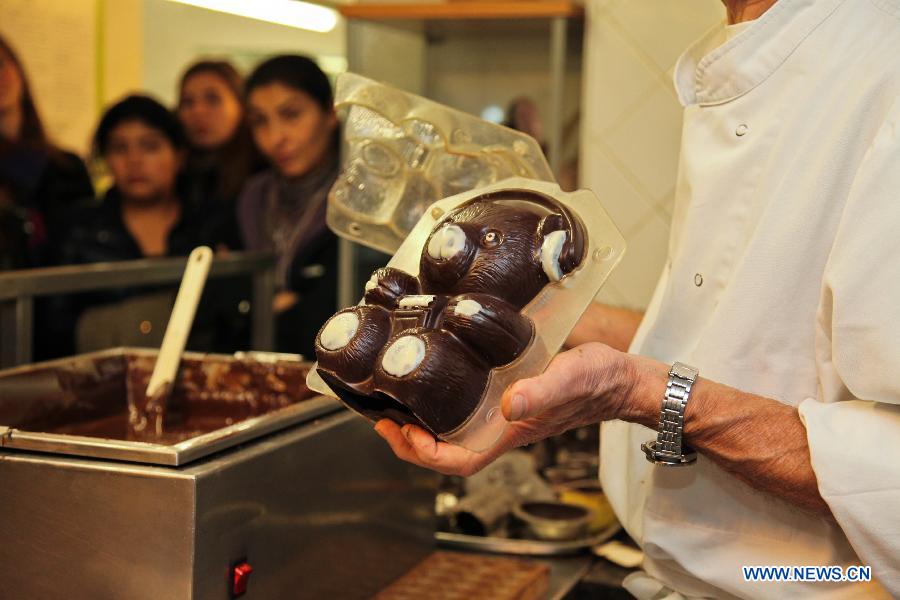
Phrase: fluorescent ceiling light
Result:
[283,12]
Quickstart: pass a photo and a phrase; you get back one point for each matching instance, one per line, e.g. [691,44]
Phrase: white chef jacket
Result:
[783,280]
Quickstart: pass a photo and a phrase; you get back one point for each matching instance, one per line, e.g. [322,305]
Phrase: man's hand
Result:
[593,383]
[585,385]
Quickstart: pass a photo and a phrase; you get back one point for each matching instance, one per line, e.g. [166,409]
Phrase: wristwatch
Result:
[668,449]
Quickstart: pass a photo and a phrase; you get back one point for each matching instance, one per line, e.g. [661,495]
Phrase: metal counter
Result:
[321,510]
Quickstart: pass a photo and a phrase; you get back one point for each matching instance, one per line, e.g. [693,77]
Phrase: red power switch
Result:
[240,577]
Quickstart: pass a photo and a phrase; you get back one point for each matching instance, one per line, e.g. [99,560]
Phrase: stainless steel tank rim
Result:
[16,439]
[174,455]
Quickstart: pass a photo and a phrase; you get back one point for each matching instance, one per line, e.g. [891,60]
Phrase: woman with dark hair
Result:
[222,155]
[291,114]
[141,216]
[38,181]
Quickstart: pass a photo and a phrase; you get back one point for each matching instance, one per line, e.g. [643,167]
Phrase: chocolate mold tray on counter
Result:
[452,576]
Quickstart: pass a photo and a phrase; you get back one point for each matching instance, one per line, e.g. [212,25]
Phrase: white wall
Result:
[631,128]
[175,34]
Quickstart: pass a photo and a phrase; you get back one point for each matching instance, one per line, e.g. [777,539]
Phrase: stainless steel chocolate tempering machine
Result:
[257,489]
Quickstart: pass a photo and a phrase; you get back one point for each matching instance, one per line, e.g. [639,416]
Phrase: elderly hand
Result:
[588,384]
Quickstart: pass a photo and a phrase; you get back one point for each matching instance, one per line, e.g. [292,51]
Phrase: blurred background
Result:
[83,54]
[590,81]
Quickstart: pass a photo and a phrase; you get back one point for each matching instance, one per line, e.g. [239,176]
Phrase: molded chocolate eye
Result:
[446,242]
[339,330]
[492,238]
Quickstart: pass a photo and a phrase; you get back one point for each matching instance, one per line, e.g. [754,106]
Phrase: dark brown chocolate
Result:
[375,405]
[445,388]
[479,267]
[95,397]
[497,332]
[120,427]
[390,286]
[508,270]
[356,360]
[428,316]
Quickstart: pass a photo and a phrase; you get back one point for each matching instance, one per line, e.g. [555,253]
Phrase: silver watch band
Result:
[669,449]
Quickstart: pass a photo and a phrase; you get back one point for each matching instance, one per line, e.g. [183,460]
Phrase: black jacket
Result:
[314,277]
[98,234]
[38,190]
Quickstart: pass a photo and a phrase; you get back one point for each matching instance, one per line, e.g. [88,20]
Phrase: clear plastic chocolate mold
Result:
[483,292]
[402,152]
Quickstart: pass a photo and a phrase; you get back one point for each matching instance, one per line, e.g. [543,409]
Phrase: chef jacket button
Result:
[698,279]
[741,130]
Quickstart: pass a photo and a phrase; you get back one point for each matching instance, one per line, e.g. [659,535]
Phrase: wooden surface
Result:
[464,10]
[460,576]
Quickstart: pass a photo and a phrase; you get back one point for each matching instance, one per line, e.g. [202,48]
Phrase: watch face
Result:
[684,371]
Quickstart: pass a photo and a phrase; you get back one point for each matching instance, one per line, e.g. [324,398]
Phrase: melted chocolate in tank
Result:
[209,394]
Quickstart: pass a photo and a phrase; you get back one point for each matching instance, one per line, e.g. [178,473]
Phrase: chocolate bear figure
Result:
[420,349]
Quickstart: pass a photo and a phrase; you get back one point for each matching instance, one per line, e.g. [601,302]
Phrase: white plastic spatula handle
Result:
[180,322]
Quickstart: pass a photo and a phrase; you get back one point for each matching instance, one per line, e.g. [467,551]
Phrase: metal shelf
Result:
[19,288]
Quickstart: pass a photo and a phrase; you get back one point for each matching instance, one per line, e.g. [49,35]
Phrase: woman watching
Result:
[291,115]
[221,154]
[143,215]
[38,181]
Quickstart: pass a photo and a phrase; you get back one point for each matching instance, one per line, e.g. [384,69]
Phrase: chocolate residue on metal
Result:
[94,397]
